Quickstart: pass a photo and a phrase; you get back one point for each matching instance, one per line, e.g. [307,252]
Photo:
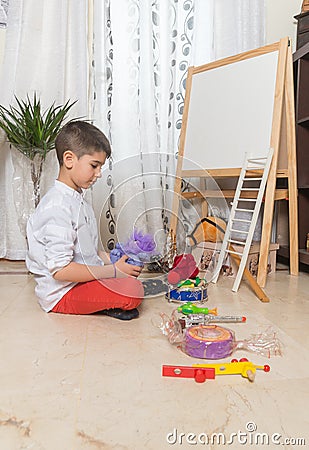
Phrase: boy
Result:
[72,276]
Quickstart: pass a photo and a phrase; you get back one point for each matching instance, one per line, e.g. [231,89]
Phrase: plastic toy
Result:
[184,267]
[191,282]
[203,372]
[191,320]
[187,293]
[190,308]
[209,229]
[209,340]
[139,247]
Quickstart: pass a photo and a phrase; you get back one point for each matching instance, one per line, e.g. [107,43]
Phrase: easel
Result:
[285,156]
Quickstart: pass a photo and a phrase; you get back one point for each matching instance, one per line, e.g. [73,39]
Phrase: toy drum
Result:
[185,294]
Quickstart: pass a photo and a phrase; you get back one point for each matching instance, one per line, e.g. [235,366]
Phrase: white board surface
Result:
[230,113]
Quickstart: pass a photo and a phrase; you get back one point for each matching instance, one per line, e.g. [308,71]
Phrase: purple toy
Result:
[139,248]
[209,341]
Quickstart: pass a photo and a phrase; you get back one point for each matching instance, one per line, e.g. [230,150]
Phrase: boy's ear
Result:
[68,159]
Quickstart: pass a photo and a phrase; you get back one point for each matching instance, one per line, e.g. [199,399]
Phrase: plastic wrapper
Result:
[170,327]
[215,342]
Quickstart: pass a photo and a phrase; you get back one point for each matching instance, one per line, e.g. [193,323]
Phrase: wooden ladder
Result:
[252,179]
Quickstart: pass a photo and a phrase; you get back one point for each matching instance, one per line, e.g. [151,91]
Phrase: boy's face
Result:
[85,171]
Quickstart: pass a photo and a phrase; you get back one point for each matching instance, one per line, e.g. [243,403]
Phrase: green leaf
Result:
[29,129]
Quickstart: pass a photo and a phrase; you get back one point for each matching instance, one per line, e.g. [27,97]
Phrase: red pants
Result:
[93,296]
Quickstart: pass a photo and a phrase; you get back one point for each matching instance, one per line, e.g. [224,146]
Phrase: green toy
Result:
[191,308]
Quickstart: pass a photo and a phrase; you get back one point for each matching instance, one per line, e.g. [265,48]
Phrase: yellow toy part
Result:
[242,367]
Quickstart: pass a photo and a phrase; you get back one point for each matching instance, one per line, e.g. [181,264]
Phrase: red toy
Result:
[203,372]
[184,267]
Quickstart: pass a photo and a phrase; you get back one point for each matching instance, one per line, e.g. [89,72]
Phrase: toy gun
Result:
[190,308]
[203,372]
[191,320]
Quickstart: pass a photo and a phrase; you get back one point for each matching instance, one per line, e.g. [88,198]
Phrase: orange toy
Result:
[209,229]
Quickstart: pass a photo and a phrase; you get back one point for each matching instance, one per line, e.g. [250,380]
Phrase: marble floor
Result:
[75,383]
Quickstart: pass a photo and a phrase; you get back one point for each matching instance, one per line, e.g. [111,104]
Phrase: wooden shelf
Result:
[280,194]
[226,173]
[304,121]
[303,256]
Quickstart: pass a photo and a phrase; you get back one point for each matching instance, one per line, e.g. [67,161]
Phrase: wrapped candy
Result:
[215,342]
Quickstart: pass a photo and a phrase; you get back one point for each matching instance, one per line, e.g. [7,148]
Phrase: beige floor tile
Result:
[72,382]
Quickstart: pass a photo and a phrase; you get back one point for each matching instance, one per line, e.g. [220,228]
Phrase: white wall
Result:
[2,42]
[280,20]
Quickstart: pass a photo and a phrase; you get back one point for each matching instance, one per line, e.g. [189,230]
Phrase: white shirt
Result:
[62,229]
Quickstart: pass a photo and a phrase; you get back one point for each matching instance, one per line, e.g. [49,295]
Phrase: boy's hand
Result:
[124,269]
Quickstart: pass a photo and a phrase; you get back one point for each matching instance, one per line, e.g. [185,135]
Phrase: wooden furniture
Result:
[305,6]
[243,103]
[301,81]
[302,29]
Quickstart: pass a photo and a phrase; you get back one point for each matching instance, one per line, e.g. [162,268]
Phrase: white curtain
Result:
[46,53]
[141,53]
[137,53]
[142,50]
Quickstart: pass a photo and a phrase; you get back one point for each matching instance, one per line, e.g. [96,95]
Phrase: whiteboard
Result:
[230,112]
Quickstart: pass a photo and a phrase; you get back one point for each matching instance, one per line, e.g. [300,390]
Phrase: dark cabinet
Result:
[301,84]
[302,29]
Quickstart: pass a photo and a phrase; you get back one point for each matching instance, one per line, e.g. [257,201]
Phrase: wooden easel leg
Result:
[271,183]
[252,281]
[292,172]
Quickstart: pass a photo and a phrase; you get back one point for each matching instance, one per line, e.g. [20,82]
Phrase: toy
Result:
[188,292]
[191,282]
[212,229]
[209,229]
[209,342]
[264,343]
[184,267]
[202,372]
[190,308]
[139,247]
[191,320]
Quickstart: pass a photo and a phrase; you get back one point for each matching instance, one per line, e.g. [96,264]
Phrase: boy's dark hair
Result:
[81,138]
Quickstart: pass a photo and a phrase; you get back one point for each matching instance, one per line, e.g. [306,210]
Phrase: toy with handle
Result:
[202,372]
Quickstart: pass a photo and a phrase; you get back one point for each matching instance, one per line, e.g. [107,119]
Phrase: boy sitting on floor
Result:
[72,276]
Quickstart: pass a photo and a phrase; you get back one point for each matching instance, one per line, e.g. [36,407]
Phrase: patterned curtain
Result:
[141,51]
[4,5]
[140,60]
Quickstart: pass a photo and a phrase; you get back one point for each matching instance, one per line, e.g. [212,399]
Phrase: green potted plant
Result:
[32,131]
